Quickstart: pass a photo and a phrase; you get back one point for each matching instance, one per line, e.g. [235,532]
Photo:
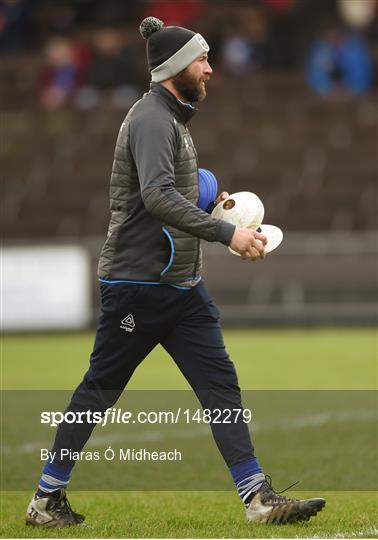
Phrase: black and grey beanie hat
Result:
[170,49]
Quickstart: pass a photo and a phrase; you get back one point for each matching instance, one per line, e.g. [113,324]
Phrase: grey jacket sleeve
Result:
[153,143]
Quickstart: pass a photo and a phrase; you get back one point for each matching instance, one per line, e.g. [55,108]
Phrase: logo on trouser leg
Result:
[128,323]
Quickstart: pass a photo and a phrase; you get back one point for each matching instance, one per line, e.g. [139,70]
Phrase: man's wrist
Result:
[225,232]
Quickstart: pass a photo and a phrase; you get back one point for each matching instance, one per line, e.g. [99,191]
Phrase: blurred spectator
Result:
[114,75]
[240,56]
[63,72]
[357,15]
[245,48]
[339,64]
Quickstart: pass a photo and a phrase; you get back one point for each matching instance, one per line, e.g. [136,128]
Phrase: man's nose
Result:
[208,69]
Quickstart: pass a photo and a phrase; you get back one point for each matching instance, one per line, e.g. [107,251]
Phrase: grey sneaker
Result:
[267,506]
[54,510]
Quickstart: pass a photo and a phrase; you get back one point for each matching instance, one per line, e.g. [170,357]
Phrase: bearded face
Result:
[190,85]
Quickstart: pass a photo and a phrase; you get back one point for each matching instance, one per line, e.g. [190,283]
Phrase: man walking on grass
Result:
[151,287]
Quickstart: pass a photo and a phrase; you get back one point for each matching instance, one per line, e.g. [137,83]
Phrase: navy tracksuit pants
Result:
[186,323]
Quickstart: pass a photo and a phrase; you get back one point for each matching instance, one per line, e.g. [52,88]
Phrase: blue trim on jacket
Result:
[165,270]
[114,282]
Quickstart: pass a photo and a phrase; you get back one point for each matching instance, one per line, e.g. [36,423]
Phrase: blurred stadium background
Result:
[291,115]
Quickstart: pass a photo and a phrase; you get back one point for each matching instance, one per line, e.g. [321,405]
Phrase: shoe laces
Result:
[276,496]
[62,505]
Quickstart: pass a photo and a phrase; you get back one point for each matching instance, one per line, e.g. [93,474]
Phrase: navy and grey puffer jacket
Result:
[155,227]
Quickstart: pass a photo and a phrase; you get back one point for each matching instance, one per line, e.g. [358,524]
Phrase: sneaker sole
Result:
[54,524]
[309,509]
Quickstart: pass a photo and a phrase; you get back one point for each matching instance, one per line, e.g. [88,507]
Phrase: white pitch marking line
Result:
[353,534]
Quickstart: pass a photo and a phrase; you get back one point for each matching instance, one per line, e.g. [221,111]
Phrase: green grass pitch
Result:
[267,359]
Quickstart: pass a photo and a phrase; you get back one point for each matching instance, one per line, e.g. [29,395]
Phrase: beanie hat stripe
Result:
[181,59]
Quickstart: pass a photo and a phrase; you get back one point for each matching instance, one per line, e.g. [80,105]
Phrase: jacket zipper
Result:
[198,239]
